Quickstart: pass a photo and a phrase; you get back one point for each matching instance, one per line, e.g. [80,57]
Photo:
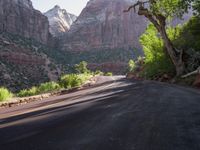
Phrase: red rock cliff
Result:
[19,17]
[104,25]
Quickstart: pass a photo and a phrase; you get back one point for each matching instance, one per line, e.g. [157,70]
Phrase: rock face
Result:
[103,25]
[19,17]
[24,64]
[60,20]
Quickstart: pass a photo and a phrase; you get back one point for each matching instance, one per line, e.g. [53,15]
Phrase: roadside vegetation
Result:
[108,74]
[74,80]
[5,94]
[42,88]
[170,51]
[67,81]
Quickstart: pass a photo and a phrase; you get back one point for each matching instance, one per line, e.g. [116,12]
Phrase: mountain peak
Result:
[56,7]
[60,20]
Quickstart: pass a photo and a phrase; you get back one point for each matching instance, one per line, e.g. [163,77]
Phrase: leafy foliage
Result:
[98,72]
[108,74]
[191,47]
[73,80]
[42,88]
[48,87]
[81,67]
[190,31]
[156,60]
[169,8]
[158,12]
[28,92]
[5,94]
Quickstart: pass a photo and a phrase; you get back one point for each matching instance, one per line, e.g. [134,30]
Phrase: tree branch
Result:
[139,3]
[192,73]
[142,11]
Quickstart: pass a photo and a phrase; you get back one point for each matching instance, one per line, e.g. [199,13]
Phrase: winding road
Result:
[115,114]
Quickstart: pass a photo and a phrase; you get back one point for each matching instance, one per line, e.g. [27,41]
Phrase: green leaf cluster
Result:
[157,62]
[5,94]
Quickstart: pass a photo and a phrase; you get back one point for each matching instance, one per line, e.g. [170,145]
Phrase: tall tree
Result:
[158,12]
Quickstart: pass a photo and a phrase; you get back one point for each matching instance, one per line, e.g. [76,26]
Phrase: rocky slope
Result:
[23,63]
[103,25]
[19,17]
[60,20]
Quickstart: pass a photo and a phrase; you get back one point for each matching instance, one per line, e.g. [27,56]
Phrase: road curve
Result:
[114,115]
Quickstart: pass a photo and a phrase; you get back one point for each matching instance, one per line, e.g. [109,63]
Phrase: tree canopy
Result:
[158,12]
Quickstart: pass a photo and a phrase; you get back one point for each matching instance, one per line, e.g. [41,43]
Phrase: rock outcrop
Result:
[19,17]
[24,64]
[103,25]
[60,20]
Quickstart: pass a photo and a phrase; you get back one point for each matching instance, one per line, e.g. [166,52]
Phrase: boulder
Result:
[197,81]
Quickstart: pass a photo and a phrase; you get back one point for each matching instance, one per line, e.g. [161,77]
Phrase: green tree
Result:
[81,67]
[158,12]
[156,61]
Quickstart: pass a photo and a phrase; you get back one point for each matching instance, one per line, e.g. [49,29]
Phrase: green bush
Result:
[98,72]
[189,41]
[156,61]
[67,81]
[28,92]
[48,87]
[5,94]
[108,74]
[43,88]
[82,67]
[73,80]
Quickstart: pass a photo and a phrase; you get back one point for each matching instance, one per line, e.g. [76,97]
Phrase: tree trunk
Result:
[175,58]
[159,21]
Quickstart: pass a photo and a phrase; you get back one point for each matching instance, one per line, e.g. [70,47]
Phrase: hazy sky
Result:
[72,6]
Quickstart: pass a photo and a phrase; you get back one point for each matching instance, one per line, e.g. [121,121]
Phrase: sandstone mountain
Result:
[19,17]
[103,25]
[103,35]
[25,61]
[60,20]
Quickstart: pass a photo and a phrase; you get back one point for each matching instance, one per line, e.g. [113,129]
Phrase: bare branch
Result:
[192,73]
[139,3]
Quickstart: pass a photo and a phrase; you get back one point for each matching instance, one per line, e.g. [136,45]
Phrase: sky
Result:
[72,6]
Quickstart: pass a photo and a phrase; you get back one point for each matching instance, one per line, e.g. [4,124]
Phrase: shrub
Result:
[48,87]
[73,80]
[108,74]
[28,92]
[190,31]
[43,88]
[156,61]
[5,94]
[82,67]
[98,72]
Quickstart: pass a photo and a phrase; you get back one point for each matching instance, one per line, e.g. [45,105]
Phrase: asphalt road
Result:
[115,115]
